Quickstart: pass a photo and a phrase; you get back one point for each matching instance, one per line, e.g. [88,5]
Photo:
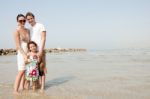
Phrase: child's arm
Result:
[28,59]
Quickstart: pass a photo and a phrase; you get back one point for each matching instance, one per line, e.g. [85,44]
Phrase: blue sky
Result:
[91,24]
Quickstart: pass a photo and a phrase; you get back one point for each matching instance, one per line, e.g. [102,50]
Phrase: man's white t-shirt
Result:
[35,34]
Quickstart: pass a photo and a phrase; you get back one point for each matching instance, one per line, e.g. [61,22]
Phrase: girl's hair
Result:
[29,14]
[20,15]
[31,42]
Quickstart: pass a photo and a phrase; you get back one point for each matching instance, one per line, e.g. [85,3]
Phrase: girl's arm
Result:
[28,58]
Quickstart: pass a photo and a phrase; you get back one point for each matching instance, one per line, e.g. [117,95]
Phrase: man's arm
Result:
[43,35]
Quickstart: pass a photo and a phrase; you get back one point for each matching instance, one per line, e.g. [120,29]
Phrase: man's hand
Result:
[40,54]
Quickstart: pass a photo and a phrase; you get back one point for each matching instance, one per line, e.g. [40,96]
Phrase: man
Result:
[38,35]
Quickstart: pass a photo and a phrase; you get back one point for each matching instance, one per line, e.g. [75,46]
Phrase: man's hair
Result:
[30,14]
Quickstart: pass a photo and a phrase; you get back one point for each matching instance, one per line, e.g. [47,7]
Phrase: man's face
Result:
[31,20]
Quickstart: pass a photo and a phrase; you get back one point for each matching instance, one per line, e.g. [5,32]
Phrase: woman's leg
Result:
[17,81]
[22,82]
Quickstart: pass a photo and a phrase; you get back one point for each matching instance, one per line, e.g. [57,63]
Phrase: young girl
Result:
[32,71]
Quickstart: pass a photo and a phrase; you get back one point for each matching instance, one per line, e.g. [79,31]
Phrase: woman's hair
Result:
[31,42]
[29,14]
[20,15]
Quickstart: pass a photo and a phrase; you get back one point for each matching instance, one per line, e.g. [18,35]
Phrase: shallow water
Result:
[102,74]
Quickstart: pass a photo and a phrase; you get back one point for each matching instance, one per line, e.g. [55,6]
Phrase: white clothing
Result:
[20,59]
[35,34]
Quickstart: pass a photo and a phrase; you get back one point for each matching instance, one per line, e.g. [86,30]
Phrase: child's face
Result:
[33,48]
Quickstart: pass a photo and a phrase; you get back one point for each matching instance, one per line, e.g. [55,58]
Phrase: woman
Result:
[22,37]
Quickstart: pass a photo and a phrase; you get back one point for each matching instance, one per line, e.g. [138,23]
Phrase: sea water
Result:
[94,74]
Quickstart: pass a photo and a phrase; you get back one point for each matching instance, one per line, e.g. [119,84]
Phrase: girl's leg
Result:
[38,85]
[27,84]
[33,85]
[17,81]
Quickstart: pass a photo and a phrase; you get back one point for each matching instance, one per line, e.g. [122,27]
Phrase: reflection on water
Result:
[57,81]
[102,74]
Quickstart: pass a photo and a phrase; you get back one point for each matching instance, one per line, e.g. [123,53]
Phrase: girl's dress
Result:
[32,72]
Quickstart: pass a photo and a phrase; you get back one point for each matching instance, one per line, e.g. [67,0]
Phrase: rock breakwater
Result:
[50,50]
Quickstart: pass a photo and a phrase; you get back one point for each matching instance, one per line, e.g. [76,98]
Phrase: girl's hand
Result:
[29,60]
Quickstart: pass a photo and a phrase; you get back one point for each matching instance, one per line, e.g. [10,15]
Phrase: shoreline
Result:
[49,50]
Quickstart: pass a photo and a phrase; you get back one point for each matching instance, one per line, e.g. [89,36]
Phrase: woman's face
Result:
[21,21]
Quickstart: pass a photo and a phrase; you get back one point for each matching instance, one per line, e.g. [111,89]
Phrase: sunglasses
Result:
[21,21]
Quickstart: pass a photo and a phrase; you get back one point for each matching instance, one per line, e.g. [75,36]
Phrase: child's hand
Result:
[29,60]
[25,58]
[26,61]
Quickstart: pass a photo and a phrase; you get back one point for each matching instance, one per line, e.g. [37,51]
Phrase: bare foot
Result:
[16,93]
[22,89]
[41,90]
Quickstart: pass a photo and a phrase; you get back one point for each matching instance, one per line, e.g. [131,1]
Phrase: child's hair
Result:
[31,42]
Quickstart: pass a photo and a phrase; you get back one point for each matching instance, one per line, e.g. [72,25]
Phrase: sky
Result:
[90,24]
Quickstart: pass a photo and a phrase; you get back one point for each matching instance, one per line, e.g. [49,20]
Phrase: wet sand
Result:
[86,75]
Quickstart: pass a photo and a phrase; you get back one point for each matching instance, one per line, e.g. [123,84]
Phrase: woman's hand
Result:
[25,58]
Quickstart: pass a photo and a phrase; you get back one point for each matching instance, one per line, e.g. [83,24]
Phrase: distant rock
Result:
[50,50]
[7,51]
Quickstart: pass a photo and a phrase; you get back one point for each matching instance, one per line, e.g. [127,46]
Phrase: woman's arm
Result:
[18,44]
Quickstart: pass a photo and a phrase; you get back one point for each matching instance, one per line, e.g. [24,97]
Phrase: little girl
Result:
[32,72]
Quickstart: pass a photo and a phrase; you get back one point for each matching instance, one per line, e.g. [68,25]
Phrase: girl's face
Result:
[32,48]
[21,21]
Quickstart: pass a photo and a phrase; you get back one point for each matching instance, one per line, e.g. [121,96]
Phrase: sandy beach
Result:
[102,74]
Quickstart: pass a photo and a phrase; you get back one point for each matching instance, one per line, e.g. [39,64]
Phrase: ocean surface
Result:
[94,74]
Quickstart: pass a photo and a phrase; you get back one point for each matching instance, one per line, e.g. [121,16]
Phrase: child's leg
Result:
[33,85]
[38,85]
[27,84]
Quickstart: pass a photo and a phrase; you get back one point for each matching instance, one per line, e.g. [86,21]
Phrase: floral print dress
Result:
[32,72]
